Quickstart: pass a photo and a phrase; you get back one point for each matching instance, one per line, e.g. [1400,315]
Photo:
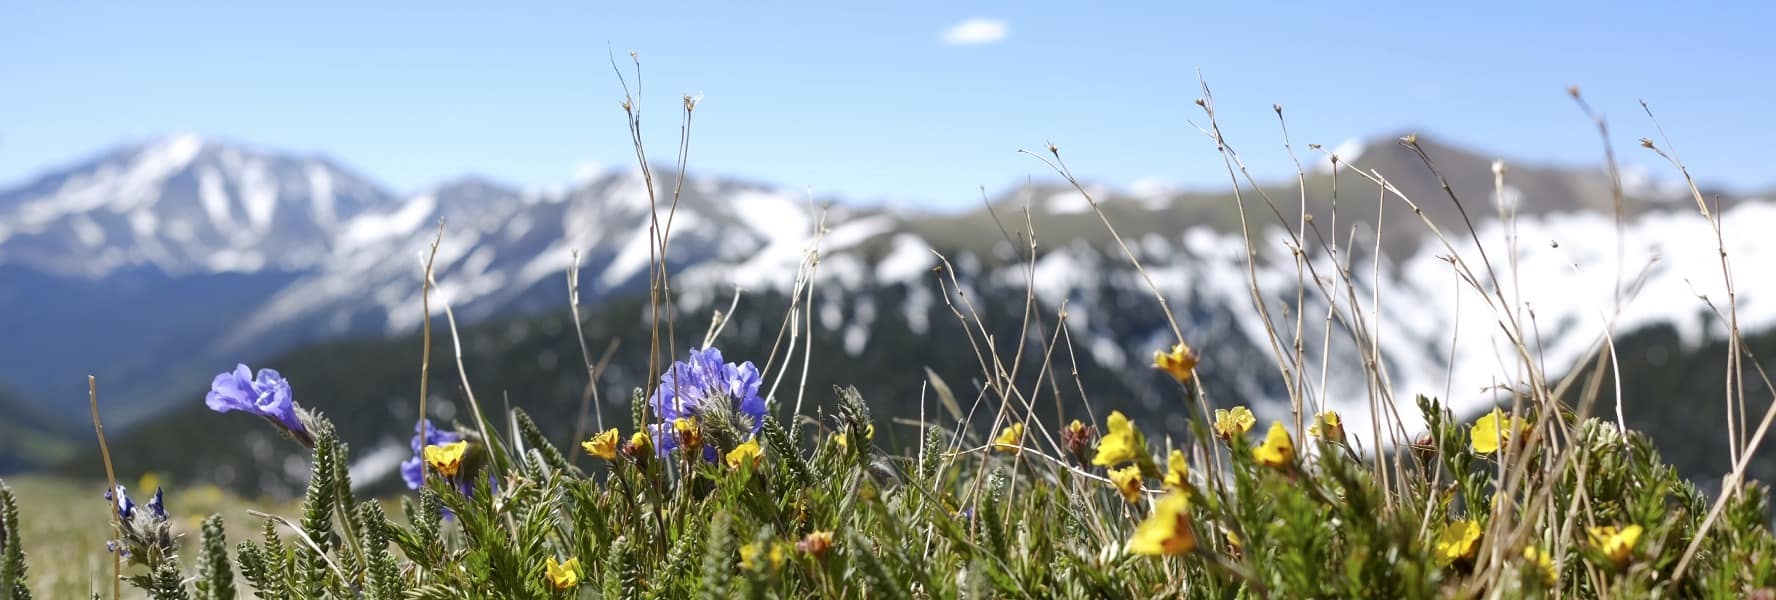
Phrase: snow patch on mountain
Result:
[377,227]
[1347,152]
[320,190]
[909,258]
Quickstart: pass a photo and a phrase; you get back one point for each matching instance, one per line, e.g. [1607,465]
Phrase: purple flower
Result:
[413,469]
[139,531]
[267,395]
[157,506]
[701,385]
[126,508]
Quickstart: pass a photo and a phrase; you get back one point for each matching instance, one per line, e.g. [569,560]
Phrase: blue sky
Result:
[871,102]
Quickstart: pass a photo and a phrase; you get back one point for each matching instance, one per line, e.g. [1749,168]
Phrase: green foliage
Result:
[535,440]
[830,514]
[215,578]
[383,572]
[317,520]
[13,585]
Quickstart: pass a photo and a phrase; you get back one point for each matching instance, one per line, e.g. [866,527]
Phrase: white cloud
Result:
[976,32]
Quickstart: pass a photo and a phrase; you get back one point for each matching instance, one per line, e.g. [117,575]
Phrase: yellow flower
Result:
[639,446]
[603,445]
[1177,471]
[1128,482]
[753,556]
[1328,426]
[689,435]
[1076,436]
[1167,532]
[844,441]
[1229,423]
[1010,439]
[148,481]
[1457,541]
[1121,444]
[747,453]
[1277,450]
[1179,363]
[446,459]
[1487,435]
[1542,563]
[816,543]
[1617,544]
[562,576]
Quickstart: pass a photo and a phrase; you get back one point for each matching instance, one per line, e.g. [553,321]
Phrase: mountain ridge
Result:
[506,251]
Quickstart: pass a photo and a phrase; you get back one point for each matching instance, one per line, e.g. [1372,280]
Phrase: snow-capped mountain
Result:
[228,253]
[183,205]
[196,254]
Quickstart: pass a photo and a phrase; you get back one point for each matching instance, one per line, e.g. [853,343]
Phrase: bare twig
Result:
[92,394]
[425,353]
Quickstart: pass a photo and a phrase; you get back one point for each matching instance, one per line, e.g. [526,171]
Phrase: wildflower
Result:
[1457,541]
[1167,532]
[1277,450]
[753,556]
[157,506]
[148,481]
[446,459]
[750,555]
[1180,363]
[126,508]
[1488,434]
[143,536]
[1424,448]
[1010,439]
[1234,422]
[1076,436]
[745,454]
[687,434]
[1617,544]
[603,445]
[702,386]
[1542,563]
[816,543]
[1121,445]
[639,446]
[844,440]
[562,576]
[1177,474]
[1128,482]
[267,395]
[1328,426]
[413,469]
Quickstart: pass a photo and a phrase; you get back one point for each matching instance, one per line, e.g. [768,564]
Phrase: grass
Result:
[66,542]
[1536,498]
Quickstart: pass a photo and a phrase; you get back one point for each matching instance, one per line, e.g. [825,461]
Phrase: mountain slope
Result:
[182,205]
[30,439]
[229,254]
[506,252]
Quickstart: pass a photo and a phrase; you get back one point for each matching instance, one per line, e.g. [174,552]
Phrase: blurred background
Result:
[188,186]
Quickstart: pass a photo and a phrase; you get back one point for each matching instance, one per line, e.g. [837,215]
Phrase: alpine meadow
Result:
[1403,371]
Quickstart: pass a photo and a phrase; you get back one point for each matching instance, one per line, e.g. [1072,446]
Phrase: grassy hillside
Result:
[66,531]
[30,438]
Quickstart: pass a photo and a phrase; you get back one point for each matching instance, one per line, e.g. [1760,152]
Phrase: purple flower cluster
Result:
[267,395]
[139,532]
[703,384]
[413,469]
